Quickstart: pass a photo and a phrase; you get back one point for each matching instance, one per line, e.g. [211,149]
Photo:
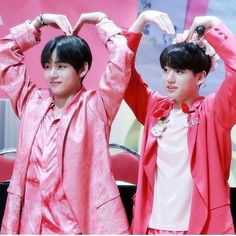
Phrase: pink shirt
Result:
[82,136]
[173,182]
[46,210]
[209,143]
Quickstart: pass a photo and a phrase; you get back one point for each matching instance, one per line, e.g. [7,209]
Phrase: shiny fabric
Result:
[83,136]
[45,207]
[164,232]
[209,143]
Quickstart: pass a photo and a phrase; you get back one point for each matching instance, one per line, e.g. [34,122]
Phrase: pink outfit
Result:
[164,232]
[173,179]
[45,207]
[209,143]
[82,136]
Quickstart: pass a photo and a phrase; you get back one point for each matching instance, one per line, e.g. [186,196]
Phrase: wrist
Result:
[41,20]
[144,19]
[38,22]
[139,24]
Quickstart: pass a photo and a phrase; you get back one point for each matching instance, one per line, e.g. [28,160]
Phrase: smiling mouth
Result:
[53,84]
[171,88]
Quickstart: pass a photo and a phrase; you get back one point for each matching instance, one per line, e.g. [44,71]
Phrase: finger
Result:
[68,26]
[198,21]
[191,31]
[169,25]
[162,24]
[62,26]
[77,26]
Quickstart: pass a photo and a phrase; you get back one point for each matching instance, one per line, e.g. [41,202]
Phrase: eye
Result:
[61,66]
[47,66]
[180,72]
[165,69]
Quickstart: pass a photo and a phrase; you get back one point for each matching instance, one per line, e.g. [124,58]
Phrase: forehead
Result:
[54,57]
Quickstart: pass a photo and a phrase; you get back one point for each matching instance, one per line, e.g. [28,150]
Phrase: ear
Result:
[84,70]
[201,77]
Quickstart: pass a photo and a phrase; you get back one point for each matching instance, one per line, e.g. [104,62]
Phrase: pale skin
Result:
[180,85]
[62,79]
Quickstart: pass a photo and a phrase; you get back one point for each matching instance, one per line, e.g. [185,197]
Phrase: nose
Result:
[170,77]
[53,72]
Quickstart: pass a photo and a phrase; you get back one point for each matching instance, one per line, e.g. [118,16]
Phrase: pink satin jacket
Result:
[209,143]
[83,135]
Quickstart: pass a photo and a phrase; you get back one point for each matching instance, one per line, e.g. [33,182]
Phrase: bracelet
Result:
[41,20]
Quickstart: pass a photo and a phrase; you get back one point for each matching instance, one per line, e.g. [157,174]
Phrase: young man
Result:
[62,181]
[186,150]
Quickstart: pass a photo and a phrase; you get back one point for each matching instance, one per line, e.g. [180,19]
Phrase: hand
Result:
[161,19]
[88,18]
[55,21]
[206,21]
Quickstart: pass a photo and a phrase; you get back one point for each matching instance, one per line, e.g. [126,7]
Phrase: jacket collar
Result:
[162,110]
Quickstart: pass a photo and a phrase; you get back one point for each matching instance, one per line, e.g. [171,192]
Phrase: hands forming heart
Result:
[61,21]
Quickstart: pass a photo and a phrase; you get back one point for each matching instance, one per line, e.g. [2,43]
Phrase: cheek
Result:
[46,76]
[71,82]
[190,88]
[182,84]
[164,79]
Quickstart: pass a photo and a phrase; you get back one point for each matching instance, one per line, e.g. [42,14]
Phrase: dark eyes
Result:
[58,66]
[46,66]
[179,71]
[166,69]
[61,66]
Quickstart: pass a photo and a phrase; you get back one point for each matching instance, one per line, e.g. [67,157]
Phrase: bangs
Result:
[175,59]
[69,49]
[185,55]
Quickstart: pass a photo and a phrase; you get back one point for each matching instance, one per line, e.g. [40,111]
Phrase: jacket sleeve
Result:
[137,94]
[223,41]
[115,78]
[14,81]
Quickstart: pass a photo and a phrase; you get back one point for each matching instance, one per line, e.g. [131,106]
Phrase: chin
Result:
[56,93]
[172,96]
[55,89]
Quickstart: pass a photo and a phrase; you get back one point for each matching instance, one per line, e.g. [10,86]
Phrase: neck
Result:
[60,104]
[188,102]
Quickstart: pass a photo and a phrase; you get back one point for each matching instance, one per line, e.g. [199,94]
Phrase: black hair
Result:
[70,49]
[185,55]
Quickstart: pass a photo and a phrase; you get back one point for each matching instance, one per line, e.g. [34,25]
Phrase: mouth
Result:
[54,83]
[171,89]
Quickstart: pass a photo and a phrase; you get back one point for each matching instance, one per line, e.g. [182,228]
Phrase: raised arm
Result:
[14,80]
[115,78]
[138,93]
[208,22]
[161,19]
[223,41]
[54,20]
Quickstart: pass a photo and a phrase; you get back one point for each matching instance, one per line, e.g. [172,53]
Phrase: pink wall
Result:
[13,12]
